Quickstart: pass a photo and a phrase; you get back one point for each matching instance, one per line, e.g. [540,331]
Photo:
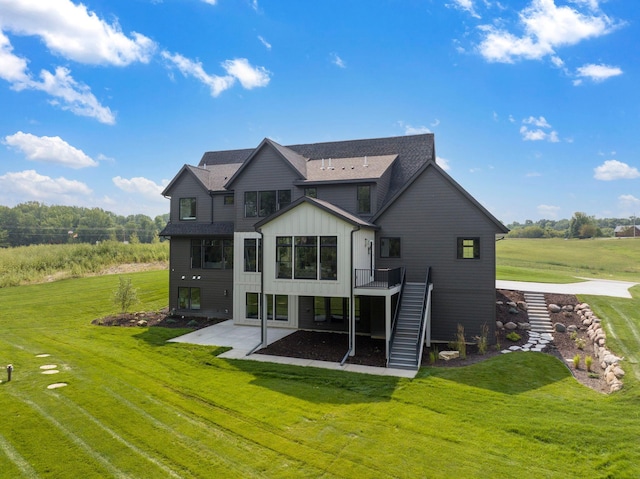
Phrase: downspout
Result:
[261,308]
[352,316]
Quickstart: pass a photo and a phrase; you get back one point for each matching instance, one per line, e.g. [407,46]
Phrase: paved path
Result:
[597,287]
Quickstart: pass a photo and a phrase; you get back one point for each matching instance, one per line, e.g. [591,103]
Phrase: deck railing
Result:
[378,278]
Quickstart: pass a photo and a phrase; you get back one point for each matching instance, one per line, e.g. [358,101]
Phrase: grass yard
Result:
[136,406]
[562,261]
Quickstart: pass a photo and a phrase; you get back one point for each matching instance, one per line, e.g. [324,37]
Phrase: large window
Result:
[187,209]
[306,257]
[390,247]
[364,199]
[252,255]
[265,203]
[212,254]
[313,257]
[278,307]
[189,298]
[253,305]
[468,248]
[329,257]
[283,257]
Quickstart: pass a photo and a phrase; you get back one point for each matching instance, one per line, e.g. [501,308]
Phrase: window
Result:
[253,305]
[212,254]
[468,248]
[390,247]
[265,203]
[189,298]
[187,209]
[364,199]
[228,200]
[330,310]
[311,192]
[283,257]
[250,204]
[278,307]
[252,255]
[306,257]
[329,257]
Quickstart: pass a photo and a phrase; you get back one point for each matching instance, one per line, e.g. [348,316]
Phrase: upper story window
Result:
[212,254]
[228,200]
[311,192]
[468,248]
[364,199]
[187,209]
[252,255]
[312,257]
[265,203]
[390,247]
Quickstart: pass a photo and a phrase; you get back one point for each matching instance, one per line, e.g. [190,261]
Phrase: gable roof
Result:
[201,176]
[432,164]
[344,169]
[323,205]
[290,157]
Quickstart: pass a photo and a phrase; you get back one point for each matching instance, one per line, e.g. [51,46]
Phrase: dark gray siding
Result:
[222,212]
[212,283]
[429,217]
[188,187]
[345,196]
[267,171]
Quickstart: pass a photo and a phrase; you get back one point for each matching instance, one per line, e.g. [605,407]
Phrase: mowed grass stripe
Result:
[20,463]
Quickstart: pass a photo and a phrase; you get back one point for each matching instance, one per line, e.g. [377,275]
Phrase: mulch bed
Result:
[160,318]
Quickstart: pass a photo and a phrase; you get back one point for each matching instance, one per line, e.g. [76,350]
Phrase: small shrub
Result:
[433,355]
[460,342]
[125,295]
[573,336]
[588,361]
[497,341]
[192,324]
[576,361]
[580,343]
[513,336]
[482,339]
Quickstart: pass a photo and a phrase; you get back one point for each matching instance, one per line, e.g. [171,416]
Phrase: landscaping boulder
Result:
[447,355]
[511,325]
[554,308]
[559,327]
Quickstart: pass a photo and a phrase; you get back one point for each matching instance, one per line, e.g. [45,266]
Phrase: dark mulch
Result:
[156,318]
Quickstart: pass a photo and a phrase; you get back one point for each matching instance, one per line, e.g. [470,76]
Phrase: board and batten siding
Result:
[428,218]
[244,282]
[188,186]
[308,220]
[267,171]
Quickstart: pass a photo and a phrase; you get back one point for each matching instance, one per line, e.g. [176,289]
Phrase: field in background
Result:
[562,261]
[38,263]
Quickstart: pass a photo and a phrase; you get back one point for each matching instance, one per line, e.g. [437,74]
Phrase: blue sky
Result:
[534,104]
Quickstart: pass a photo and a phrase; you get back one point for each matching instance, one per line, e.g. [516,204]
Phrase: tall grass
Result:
[30,264]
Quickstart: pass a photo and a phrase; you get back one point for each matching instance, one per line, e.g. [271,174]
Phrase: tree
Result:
[580,226]
[125,295]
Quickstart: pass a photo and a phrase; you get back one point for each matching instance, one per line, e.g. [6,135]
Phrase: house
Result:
[626,231]
[363,237]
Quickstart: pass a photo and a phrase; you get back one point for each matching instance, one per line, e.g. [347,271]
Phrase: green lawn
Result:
[562,261]
[136,406]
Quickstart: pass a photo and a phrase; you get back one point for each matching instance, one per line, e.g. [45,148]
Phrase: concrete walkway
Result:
[245,338]
[596,287]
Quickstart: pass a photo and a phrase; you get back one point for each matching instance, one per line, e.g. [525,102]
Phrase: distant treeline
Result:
[579,226]
[34,223]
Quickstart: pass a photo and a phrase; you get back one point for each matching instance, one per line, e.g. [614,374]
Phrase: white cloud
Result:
[336,60]
[49,149]
[413,130]
[538,134]
[210,2]
[67,93]
[248,76]
[75,33]
[139,185]
[615,170]
[546,28]
[629,202]
[30,186]
[443,163]
[548,211]
[467,6]
[597,73]
[540,122]
[533,174]
[264,42]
